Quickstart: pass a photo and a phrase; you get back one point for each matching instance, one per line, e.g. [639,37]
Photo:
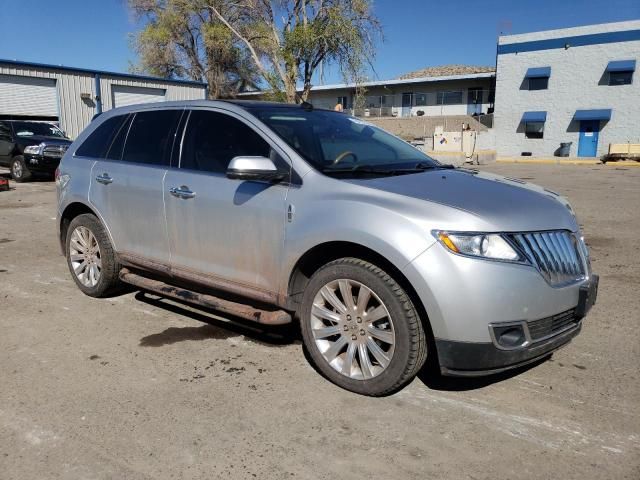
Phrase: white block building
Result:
[466,94]
[573,85]
[72,96]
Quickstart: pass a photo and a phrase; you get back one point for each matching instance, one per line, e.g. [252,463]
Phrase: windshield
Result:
[336,141]
[29,129]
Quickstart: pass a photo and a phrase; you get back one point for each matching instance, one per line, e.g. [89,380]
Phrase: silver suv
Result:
[279,213]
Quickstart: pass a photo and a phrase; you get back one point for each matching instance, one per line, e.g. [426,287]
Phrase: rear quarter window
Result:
[97,143]
[151,136]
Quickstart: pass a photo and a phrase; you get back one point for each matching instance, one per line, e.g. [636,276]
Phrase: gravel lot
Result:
[135,387]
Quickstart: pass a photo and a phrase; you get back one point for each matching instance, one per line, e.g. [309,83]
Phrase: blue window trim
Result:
[621,66]
[575,41]
[538,116]
[538,72]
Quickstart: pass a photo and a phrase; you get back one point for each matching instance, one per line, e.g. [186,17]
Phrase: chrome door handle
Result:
[105,179]
[182,192]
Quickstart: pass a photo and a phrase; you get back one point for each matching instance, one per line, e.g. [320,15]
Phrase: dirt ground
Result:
[133,387]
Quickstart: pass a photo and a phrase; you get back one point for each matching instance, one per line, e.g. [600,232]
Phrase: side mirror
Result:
[254,168]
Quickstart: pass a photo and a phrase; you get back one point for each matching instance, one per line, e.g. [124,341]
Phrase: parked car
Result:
[279,213]
[29,147]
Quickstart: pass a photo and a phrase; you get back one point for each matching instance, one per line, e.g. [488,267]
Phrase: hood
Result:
[503,204]
[38,139]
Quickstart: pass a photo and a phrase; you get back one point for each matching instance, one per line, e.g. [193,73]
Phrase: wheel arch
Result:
[324,253]
[70,212]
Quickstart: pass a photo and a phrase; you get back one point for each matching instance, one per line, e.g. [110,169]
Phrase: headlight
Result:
[34,149]
[484,245]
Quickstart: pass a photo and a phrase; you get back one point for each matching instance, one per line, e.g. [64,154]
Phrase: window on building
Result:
[98,142]
[212,139]
[342,101]
[150,137]
[449,98]
[421,99]
[534,129]
[620,78]
[539,83]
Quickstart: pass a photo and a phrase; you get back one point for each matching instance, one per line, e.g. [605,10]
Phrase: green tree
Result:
[185,39]
[289,40]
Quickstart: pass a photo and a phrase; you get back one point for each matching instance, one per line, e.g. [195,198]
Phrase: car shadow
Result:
[221,326]
[215,326]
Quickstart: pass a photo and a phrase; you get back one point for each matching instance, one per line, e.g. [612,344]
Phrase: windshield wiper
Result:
[426,166]
[367,169]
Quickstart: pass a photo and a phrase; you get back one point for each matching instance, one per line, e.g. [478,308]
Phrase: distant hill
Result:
[447,70]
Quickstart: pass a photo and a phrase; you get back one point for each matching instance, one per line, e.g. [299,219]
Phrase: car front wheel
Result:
[361,329]
[19,170]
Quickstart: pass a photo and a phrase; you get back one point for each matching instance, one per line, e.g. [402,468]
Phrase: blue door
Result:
[588,145]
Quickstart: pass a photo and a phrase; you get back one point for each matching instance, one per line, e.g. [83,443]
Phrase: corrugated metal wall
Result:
[74,112]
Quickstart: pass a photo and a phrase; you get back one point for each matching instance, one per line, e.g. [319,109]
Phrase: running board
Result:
[267,317]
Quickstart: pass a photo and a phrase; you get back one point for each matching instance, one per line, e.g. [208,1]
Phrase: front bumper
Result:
[468,300]
[41,163]
[463,359]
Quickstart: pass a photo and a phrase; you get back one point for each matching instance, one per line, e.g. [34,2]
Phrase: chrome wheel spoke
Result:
[385,336]
[324,313]
[80,268]
[77,257]
[347,295]
[376,314]
[365,362]
[334,350]
[378,353]
[327,331]
[363,300]
[347,365]
[329,295]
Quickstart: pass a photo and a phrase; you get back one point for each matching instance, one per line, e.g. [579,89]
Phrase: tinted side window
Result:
[5,132]
[97,144]
[150,137]
[212,139]
[117,145]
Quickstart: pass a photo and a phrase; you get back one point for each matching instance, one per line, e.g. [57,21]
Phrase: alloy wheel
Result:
[352,329]
[84,254]
[17,169]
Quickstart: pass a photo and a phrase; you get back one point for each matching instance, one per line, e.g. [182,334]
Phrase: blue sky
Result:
[418,33]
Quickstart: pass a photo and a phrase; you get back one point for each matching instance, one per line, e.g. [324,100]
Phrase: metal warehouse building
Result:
[573,85]
[72,96]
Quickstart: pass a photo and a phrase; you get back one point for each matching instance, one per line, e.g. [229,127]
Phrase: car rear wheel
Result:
[90,257]
[361,329]
[19,170]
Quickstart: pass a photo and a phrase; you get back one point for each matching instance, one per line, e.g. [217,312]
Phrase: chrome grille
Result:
[546,327]
[555,254]
[55,151]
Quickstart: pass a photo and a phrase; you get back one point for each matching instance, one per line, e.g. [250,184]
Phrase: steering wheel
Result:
[344,155]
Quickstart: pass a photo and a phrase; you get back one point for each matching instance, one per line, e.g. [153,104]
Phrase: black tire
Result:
[109,282]
[410,351]
[19,170]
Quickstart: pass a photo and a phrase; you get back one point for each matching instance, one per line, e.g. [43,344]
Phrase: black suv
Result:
[28,147]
